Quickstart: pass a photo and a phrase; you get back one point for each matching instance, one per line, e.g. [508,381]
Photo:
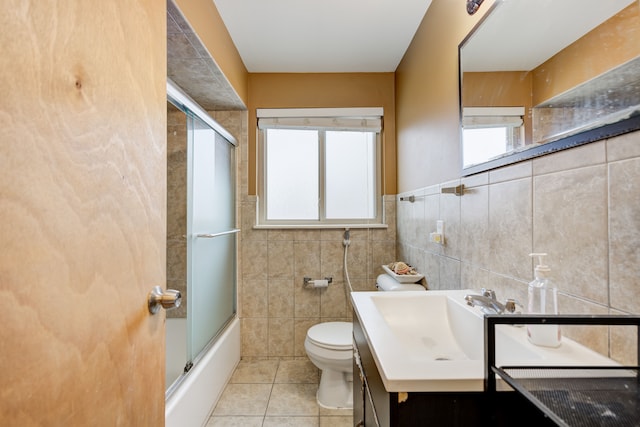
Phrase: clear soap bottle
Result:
[543,299]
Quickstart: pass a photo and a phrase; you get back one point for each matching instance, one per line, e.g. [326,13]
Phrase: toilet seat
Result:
[332,335]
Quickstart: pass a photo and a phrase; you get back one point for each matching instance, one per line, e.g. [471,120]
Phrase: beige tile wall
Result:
[581,206]
[177,207]
[276,310]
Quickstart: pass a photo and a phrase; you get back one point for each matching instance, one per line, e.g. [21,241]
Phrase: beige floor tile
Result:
[293,399]
[290,422]
[255,372]
[234,421]
[271,393]
[243,399]
[297,371]
[333,421]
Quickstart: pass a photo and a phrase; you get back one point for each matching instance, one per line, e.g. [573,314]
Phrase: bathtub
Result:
[191,403]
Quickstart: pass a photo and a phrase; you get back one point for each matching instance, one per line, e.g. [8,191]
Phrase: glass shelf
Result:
[579,396]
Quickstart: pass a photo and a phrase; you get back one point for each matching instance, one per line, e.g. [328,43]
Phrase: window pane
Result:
[350,175]
[482,144]
[292,174]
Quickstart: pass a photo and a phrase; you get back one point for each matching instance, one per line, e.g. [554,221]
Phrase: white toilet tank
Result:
[386,283]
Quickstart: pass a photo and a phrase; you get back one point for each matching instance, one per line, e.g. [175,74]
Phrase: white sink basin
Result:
[436,327]
[433,341]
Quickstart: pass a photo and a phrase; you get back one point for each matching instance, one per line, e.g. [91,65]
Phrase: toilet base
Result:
[335,390]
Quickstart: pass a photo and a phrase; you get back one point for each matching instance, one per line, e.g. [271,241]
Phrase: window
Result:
[490,132]
[320,167]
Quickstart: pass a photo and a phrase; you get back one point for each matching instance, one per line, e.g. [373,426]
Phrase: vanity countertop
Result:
[432,341]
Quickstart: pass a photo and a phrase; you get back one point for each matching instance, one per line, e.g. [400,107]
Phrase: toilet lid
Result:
[332,335]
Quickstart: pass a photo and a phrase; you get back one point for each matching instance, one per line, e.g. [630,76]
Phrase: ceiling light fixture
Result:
[473,6]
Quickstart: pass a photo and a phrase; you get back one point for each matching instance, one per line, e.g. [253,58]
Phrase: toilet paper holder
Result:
[310,283]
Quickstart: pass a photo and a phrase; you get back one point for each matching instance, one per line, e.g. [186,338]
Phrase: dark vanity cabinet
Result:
[374,406]
[367,410]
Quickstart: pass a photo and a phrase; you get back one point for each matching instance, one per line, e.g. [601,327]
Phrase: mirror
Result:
[541,76]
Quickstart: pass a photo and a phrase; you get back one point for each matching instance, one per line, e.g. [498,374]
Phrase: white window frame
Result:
[322,119]
[508,118]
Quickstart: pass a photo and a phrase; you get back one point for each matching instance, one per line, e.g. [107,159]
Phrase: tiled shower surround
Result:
[177,207]
[581,206]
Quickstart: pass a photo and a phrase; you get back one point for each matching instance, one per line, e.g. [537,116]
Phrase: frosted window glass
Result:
[482,144]
[292,174]
[350,175]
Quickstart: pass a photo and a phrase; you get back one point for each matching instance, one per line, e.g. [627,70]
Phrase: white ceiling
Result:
[322,35]
[520,35]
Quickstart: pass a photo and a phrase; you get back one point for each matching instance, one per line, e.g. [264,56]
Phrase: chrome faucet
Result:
[489,304]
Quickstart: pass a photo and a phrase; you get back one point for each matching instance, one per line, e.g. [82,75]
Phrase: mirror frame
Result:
[628,125]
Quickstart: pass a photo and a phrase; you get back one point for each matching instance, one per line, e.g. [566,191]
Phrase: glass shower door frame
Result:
[196,347]
[211,236]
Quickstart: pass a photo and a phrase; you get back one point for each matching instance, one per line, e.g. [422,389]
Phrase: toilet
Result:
[329,346]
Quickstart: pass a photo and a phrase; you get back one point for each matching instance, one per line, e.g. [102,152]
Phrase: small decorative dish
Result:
[403,278]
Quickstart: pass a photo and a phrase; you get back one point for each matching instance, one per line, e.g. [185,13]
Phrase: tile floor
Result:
[275,393]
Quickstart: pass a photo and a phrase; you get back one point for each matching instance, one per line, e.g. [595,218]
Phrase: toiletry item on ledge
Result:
[402,268]
[543,299]
[402,272]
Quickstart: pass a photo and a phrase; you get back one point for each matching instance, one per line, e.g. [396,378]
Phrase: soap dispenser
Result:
[543,299]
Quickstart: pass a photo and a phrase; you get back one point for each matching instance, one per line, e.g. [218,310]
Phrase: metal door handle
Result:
[222,233]
[166,299]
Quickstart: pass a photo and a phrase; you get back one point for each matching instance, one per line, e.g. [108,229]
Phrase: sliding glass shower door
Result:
[211,235]
[201,233]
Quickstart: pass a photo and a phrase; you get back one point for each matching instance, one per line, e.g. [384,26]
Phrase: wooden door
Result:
[82,212]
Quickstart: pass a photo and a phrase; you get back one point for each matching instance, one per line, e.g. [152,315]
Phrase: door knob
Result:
[166,299]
